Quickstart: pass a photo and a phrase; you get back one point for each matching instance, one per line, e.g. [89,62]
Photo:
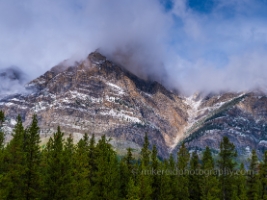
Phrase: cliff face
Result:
[97,96]
[240,116]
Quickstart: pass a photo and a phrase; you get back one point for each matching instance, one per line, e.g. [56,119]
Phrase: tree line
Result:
[92,169]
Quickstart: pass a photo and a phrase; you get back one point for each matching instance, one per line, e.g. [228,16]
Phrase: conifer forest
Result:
[91,169]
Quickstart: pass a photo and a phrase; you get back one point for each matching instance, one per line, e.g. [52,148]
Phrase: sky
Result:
[188,45]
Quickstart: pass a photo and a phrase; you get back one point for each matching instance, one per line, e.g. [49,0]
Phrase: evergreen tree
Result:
[57,180]
[126,171]
[226,165]
[2,117]
[69,174]
[263,176]
[15,165]
[81,170]
[2,135]
[107,174]
[241,183]
[165,184]
[253,178]
[92,159]
[194,179]
[155,176]
[2,140]
[129,159]
[174,176]
[144,179]
[2,150]
[132,190]
[145,152]
[209,184]
[33,159]
[183,179]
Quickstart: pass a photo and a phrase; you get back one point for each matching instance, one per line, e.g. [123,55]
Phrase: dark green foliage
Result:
[33,160]
[106,183]
[165,183]
[226,164]
[15,159]
[92,159]
[126,173]
[263,176]
[240,183]
[132,190]
[194,180]
[172,166]
[209,184]
[145,152]
[183,157]
[2,136]
[57,179]
[81,170]
[144,179]
[253,178]
[2,117]
[92,170]
[155,168]
[2,139]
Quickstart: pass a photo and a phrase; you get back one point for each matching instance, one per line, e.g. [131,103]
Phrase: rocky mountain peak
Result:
[96,58]
[96,96]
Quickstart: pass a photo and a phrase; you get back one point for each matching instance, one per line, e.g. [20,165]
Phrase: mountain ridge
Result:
[100,97]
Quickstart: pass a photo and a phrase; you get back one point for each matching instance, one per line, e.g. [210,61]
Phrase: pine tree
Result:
[155,177]
[33,159]
[2,117]
[57,179]
[68,160]
[81,170]
[183,179]
[2,140]
[126,171]
[174,175]
[144,179]
[194,179]
[263,176]
[2,135]
[226,165]
[241,183]
[164,182]
[15,164]
[145,152]
[209,184]
[2,150]
[132,190]
[107,180]
[92,159]
[253,178]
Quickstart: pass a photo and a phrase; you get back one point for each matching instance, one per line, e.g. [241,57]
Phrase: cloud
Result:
[37,35]
[183,47]
[220,50]
[12,81]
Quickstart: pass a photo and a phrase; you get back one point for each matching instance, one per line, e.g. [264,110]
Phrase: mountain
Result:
[100,97]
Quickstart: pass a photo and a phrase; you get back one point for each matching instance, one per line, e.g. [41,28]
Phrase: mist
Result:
[220,47]
[12,81]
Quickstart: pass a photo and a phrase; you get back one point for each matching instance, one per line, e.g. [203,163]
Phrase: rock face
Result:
[240,116]
[97,96]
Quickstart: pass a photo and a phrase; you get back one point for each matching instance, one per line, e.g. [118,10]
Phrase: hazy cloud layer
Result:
[185,48]
[12,80]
